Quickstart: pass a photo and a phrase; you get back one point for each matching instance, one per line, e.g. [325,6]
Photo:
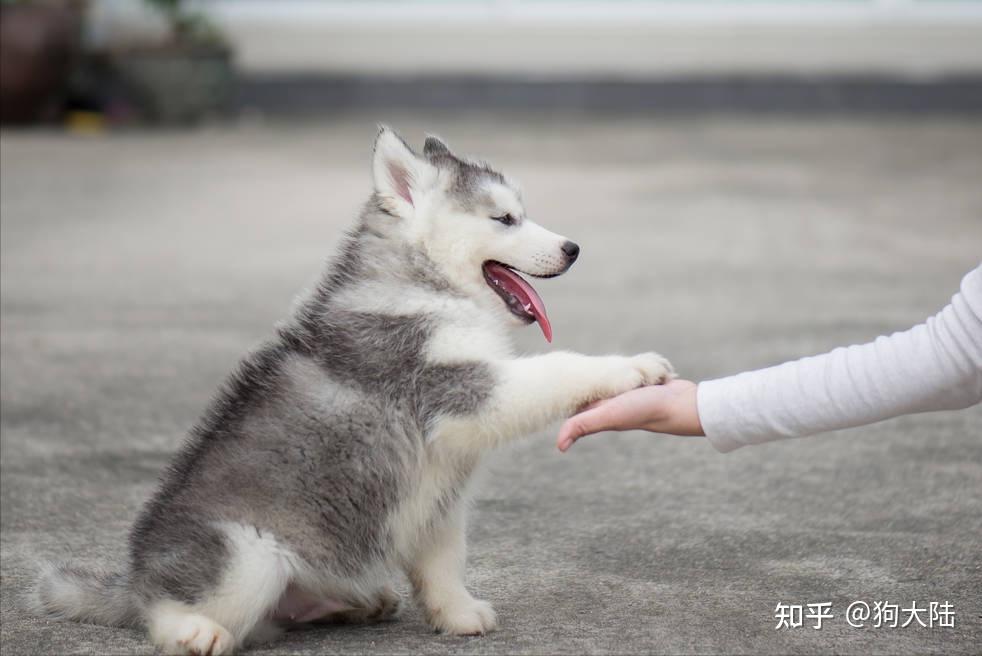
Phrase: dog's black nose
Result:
[572,250]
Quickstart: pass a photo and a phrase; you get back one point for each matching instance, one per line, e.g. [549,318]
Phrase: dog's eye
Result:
[506,219]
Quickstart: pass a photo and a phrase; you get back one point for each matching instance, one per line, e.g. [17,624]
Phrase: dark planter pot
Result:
[174,84]
[38,44]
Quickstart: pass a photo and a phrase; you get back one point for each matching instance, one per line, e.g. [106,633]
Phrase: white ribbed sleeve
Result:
[936,365]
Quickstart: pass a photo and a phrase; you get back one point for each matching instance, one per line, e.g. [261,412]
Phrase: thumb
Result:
[594,420]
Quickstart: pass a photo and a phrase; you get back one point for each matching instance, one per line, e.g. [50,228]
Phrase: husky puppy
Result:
[339,453]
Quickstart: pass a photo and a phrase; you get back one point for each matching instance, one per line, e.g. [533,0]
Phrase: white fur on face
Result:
[456,239]
[461,241]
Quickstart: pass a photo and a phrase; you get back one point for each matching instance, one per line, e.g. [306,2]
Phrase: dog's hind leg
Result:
[384,607]
[237,609]
[177,628]
[359,604]
[264,632]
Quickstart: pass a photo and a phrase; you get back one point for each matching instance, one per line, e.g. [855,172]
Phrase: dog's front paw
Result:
[654,369]
[618,374]
[470,617]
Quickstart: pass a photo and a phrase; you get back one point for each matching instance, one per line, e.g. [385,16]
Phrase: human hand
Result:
[669,408]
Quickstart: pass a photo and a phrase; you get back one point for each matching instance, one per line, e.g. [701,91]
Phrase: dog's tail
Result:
[69,592]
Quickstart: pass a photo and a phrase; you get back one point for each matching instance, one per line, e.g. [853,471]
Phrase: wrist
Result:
[681,414]
[692,404]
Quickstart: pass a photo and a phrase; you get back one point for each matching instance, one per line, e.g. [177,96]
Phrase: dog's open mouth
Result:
[522,300]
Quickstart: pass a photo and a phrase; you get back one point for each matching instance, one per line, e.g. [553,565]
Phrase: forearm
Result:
[933,366]
[530,393]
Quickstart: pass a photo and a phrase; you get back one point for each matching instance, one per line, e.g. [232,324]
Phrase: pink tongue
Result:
[517,286]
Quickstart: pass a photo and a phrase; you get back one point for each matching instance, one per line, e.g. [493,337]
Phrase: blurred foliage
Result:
[188,26]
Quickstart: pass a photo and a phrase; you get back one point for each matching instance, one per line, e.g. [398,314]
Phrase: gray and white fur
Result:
[339,453]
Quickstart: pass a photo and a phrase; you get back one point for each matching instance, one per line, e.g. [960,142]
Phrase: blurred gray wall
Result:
[639,39]
[674,55]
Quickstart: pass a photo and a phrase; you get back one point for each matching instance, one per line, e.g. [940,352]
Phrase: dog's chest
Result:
[470,337]
[439,489]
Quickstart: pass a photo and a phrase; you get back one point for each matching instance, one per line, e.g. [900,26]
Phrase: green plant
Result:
[186,25]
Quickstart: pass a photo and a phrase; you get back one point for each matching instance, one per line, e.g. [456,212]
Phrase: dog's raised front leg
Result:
[530,393]
[437,576]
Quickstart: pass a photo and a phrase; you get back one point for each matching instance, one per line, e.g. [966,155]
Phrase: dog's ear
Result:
[398,172]
[435,147]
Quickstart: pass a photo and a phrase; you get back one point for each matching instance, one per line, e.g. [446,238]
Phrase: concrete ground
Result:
[137,268]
